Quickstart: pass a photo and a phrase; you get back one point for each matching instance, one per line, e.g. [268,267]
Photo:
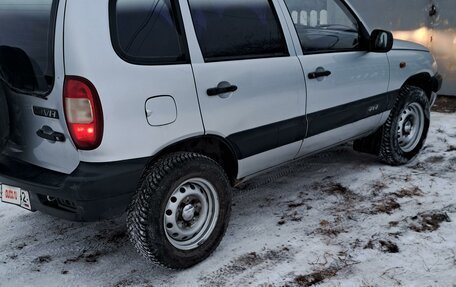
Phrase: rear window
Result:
[27,45]
[148,31]
[237,29]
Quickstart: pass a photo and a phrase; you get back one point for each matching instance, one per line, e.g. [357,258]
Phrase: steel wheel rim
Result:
[191,214]
[410,127]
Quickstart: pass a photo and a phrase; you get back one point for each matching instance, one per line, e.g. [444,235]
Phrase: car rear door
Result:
[346,85]
[250,83]
[32,77]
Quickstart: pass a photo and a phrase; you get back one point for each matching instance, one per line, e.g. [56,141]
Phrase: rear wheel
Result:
[4,119]
[181,210]
[405,132]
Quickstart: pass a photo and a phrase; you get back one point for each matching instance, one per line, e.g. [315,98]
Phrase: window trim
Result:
[362,31]
[246,57]
[146,61]
[51,49]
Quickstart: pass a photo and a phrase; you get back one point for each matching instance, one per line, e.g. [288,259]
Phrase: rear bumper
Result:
[94,191]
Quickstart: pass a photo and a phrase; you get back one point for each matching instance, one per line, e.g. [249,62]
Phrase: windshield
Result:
[27,45]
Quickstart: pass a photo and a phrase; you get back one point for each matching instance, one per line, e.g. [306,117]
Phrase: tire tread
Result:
[137,218]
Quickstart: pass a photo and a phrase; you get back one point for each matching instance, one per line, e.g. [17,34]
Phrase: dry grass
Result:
[409,192]
[316,277]
[388,206]
[428,222]
[445,104]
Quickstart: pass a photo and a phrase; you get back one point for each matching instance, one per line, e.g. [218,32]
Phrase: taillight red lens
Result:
[83,113]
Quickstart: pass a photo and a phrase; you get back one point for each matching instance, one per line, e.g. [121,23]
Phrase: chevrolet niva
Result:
[157,107]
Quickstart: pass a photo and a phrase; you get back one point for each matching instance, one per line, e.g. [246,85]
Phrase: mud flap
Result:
[370,144]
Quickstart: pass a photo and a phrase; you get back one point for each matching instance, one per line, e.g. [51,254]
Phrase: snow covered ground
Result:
[337,219]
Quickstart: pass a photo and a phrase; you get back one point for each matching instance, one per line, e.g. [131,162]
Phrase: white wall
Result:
[410,20]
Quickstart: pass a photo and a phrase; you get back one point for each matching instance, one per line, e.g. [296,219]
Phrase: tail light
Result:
[83,113]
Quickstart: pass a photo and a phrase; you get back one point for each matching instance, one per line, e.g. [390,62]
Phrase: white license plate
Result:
[16,196]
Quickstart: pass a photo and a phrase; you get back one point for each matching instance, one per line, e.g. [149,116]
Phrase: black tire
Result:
[4,119]
[392,150]
[146,214]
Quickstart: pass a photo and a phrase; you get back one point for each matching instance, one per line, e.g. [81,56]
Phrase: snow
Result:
[336,217]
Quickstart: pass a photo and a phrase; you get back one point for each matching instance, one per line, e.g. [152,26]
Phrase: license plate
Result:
[16,196]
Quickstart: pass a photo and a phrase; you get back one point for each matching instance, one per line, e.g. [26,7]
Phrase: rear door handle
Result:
[222,88]
[50,135]
[318,74]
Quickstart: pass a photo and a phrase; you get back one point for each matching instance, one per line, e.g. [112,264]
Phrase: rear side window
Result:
[237,29]
[148,31]
[27,45]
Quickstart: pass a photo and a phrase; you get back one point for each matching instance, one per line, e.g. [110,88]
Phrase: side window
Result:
[324,25]
[237,29]
[148,31]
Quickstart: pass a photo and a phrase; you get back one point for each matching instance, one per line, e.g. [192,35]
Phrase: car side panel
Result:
[416,62]
[355,76]
[124,88]
[348,103]
[269,102]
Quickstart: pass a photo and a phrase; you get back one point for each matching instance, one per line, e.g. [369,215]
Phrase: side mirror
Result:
[381,41]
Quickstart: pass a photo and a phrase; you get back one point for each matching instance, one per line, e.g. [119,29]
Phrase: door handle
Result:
[50,135]
[318,74]
[222,88]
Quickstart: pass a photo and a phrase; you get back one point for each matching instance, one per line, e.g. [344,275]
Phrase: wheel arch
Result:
[421,80]
[212,146]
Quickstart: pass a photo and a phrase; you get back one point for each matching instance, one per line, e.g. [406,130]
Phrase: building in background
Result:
[431,23]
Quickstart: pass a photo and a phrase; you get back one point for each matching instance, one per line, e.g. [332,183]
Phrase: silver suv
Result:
[158,107]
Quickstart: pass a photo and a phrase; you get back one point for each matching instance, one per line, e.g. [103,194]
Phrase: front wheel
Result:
[405,132]
[181,210]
